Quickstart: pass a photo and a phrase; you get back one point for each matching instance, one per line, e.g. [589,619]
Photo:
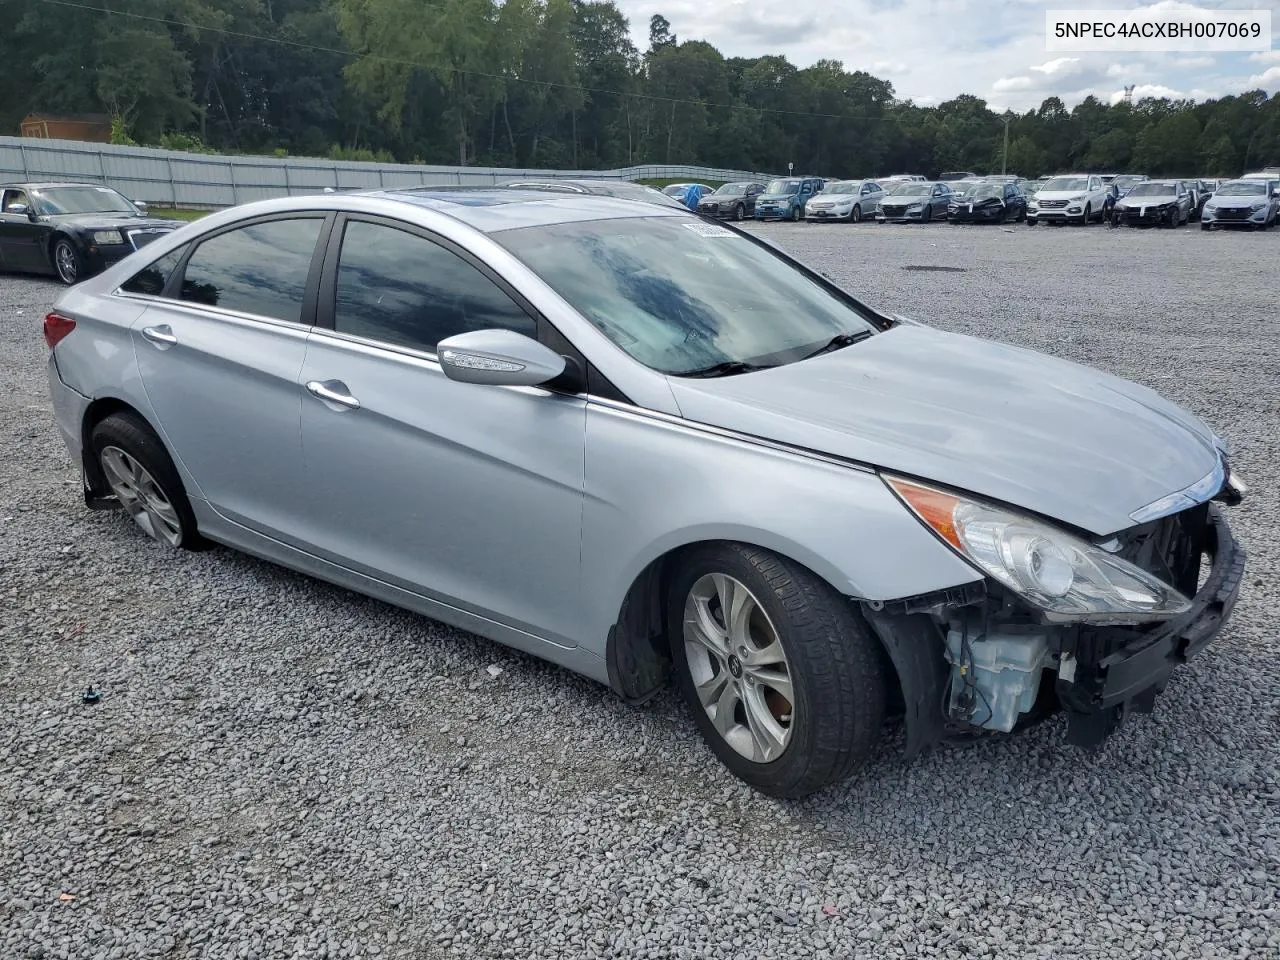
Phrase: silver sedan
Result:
[638,444]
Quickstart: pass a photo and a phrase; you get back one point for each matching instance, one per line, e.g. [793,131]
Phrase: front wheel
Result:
[795,214]
[1206,226]
[928,214]
[855,215]
[143,479]
[739,213]
[785,681]
[68,262]
[1087,216]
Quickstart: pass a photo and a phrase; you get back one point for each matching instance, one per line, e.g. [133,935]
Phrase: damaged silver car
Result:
[638,444]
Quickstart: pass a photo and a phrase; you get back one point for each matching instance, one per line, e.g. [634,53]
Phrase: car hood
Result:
[1134,202]
[776,196]
[108,221]
[723,197]
[1047,435]
[1061,194]
[834,198]
[1237,198]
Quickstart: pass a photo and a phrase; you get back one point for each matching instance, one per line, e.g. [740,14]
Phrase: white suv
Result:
[1073,198]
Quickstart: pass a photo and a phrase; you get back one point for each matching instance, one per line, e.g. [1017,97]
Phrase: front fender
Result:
[656,484]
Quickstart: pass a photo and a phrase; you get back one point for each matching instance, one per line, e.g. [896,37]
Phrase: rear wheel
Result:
[143,479]
[785,681]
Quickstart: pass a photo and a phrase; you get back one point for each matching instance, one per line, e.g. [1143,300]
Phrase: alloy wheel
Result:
[739,667]
[140,495]
[64,260]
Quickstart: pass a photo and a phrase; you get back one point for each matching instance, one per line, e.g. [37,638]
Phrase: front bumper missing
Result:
[1099,693]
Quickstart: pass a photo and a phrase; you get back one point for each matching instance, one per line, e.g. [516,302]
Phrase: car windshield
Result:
[1152,190]
[847,186]
[912,189]
[732,189]
[55,201]
[1242,188]
[1123,182]
[782,187]
[1065,183]
[680,295]
[985,191]
[675,189]
[963,186]
[626,190]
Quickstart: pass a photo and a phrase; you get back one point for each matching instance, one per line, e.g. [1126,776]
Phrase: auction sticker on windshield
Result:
[709,230]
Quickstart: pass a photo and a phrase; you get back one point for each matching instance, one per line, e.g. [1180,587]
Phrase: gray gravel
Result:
[278,768]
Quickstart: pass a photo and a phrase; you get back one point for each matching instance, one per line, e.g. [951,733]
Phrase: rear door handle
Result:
[162,336]
[334,392]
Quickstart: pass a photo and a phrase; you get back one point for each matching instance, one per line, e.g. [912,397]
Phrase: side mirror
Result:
[18,209]
[499,358]
[141,205]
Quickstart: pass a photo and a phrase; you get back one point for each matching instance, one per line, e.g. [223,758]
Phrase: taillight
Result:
[56,326]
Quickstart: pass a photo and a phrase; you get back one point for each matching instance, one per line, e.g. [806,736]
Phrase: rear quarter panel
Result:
[97,358]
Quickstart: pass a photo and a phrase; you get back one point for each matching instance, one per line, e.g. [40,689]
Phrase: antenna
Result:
[1128,92]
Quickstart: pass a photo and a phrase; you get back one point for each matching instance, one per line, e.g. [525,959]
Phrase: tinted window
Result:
[402,289]
[260,269]
[151,279]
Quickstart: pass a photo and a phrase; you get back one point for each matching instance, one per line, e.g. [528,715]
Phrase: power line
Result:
[419,65]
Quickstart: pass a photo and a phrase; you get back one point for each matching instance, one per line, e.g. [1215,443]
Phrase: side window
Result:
[259,269]
[13,197]
[403,289]
[150,280]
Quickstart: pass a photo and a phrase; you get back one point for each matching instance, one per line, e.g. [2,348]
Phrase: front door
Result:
[19,238]
[468,494]
[220,356]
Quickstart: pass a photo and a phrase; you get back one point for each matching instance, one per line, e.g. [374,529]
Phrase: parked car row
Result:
[75,230]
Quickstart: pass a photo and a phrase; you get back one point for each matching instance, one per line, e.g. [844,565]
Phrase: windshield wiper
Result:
[726,368]
[839,341]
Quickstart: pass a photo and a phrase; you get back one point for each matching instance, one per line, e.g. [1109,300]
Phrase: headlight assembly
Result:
[106,237]
[916,206]
[1068,578]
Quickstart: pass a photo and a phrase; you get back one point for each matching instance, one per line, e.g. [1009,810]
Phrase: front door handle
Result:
[333,391]
[162,336]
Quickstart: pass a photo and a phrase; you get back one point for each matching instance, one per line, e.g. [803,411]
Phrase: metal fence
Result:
[210,180]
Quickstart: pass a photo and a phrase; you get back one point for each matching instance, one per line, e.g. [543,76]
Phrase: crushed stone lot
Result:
[281,769]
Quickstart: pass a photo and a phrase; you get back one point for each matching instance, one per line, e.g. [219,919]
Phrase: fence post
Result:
[26,167]
[288,189]
[102,167]
[235,197]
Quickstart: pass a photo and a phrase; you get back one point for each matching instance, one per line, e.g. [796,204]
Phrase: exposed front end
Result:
[1149,215]
[1093,628]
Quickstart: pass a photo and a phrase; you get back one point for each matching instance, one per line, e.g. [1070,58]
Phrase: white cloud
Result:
[1266,56]
[1125,70]
[889,67]
[1062,64]
[1149,90]
[1192,63]
[1010,84]
[1267,80]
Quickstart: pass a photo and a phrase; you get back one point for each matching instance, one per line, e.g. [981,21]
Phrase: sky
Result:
[932,50]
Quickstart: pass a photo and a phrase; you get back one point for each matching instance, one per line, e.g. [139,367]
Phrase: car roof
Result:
[46,184]
[490,209]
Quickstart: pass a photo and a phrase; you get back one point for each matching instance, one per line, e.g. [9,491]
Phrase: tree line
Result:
[554,83]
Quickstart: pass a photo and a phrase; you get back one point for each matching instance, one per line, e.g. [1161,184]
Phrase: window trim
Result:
[306,316]
[546,333]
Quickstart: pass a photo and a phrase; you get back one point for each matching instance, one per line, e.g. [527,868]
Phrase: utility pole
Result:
[1004,164]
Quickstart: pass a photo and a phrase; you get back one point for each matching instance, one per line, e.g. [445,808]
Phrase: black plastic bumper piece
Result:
[1127,680]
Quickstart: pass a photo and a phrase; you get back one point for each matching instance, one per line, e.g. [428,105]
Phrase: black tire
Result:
[739,213]
[795,214]
[836,666]
[928,214]
[855,215]
[68,264]
[1031,223]
[1087,215]
[1206,226]
[130,433]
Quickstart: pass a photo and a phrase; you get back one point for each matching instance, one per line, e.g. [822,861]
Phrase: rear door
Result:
[220,353]
[468,494]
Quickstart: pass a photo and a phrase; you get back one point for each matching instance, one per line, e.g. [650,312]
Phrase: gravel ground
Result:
[279,768]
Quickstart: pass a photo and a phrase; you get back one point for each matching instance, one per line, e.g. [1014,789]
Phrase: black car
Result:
[71,230]
[989,203]
[735,200]
[1154,203]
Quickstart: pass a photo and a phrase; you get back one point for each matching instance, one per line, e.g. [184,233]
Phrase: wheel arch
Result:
[98,410]
[638,651]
